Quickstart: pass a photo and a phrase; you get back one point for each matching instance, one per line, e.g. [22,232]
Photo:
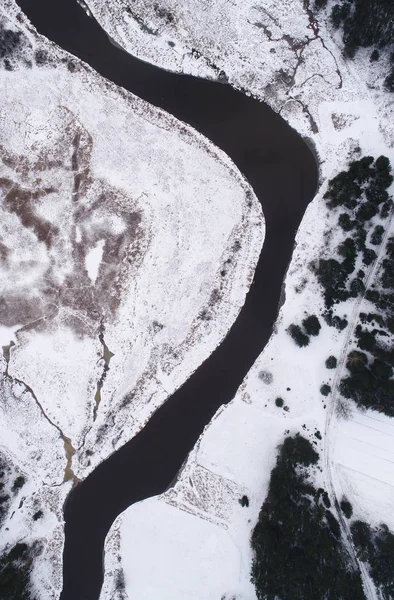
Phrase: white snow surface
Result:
[93,260]
[271,51]
[193,541]
[85,162]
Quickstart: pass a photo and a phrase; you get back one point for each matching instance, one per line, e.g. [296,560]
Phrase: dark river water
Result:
[283,173]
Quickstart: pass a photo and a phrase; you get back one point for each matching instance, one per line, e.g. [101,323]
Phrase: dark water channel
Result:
[282,171]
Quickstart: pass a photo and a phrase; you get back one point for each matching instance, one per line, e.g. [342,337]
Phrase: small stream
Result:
[283,173]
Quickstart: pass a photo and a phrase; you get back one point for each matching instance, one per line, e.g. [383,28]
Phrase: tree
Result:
[346,508]
[368,256]
[297,550]
[356,287]
[345,222]
[331,362]
[377,235]
[298,336]
[18,483]
[311,325]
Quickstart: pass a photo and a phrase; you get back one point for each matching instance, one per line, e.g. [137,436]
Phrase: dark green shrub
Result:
[356,361]
[360,238]
[346,508]
[366,211]
[325,389]
[298,450]
[298,336]
[279,402]
[297,552]
[339,323]
[320,4]
[366,341]
[357,287]
[368,256]
[18,483]
[331,362]
[389,81]
[383,164]
[311,325]
[15,569]
[339,13]
[381,370]
[386,208]
[375,547]
[376,195]
[331,274]
[41,57]
[333,524]
[345,222]
[377,235]
[10,42]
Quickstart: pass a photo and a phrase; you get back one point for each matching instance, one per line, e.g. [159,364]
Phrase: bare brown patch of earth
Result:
[32,187]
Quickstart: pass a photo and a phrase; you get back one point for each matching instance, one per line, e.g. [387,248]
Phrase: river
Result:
[283,173]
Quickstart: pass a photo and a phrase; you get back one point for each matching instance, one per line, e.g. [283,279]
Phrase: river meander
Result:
[283,173]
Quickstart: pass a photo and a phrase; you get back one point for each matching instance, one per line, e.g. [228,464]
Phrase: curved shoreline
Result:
[283,173]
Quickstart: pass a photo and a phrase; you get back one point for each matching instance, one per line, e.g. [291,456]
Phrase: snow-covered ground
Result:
[142,182]
[109,260]
[282,55]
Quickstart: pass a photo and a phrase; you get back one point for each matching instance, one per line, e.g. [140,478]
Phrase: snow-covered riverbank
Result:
[283,56]
[84,164]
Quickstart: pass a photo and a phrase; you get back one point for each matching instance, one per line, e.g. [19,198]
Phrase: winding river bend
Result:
[282,170]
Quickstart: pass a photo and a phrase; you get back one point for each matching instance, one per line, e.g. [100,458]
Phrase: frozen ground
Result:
[280,54]
[194,540]
[109,259]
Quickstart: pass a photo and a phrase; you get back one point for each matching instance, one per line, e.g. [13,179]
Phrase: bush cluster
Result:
[370,368]
[375,546]
[298,336]
[10,43]
[298,551]
[369,381]
[366,23]
[310,326]
[361,193]
[15,566]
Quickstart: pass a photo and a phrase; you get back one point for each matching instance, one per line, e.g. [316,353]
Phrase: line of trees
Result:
[298,550]
[360,196]
[375,547]
[366,24]
[370,368]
